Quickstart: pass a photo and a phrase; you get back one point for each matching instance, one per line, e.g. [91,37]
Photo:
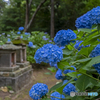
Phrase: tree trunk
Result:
[52,19]
[33,16]
[27,15]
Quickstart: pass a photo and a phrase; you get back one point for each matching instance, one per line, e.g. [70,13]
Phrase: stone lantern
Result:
[8,55]
[12,74]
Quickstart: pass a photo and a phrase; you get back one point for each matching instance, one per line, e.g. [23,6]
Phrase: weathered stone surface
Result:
[18,82]
[23,64]
[9,69]
[9,46]
[16,72]
[21,54]
[5,60]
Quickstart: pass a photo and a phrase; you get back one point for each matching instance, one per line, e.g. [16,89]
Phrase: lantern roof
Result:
[9,46]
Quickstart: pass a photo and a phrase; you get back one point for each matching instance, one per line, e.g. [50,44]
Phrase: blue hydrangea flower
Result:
[49,53]
[3,33]
[84,21]
[0,34]
[50,40]
[26,33]
[30,44]
[34,46]
[69,88]
[38,91]
[46,33]
[77,45]
[21,36]
[90,18]
[21,28]
[95,15]
[87,46]
[45,38]
[98,40]
[57,94]
[94,53]
[69,71]
[64,37]
[8,40]
[58,74]
[8,35]
[97,67]
[18,32]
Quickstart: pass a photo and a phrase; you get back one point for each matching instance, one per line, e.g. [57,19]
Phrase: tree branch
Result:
[30,4]
[35,13]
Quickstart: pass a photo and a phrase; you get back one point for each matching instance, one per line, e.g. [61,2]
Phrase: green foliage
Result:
[9,88]
[52,69]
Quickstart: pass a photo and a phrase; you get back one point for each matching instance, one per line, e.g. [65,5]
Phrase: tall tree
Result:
[27,22]
[52,19]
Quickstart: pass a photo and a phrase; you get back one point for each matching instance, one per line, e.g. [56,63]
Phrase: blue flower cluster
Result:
[77,45]
[44,38]
[69,88]
[30,44]
[21,36]
[64,37]
[49,53]
[38,91]
[94,53]
[69,71]
[21,28]
[27,33]
[50,40]
[83,21]
[95,15]
[9,40]
[58,74]
[18,32]
[97,67]
[90,18]
[57,94]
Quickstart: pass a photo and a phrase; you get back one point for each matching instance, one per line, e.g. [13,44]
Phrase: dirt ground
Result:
[38,76]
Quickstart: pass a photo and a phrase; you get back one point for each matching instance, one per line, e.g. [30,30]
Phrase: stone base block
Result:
[18,82]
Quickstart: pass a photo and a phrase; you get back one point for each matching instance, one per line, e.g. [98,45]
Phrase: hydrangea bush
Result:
[79,69]
[30,39]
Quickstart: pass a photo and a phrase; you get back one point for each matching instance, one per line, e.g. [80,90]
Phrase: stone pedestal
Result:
[16,77]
